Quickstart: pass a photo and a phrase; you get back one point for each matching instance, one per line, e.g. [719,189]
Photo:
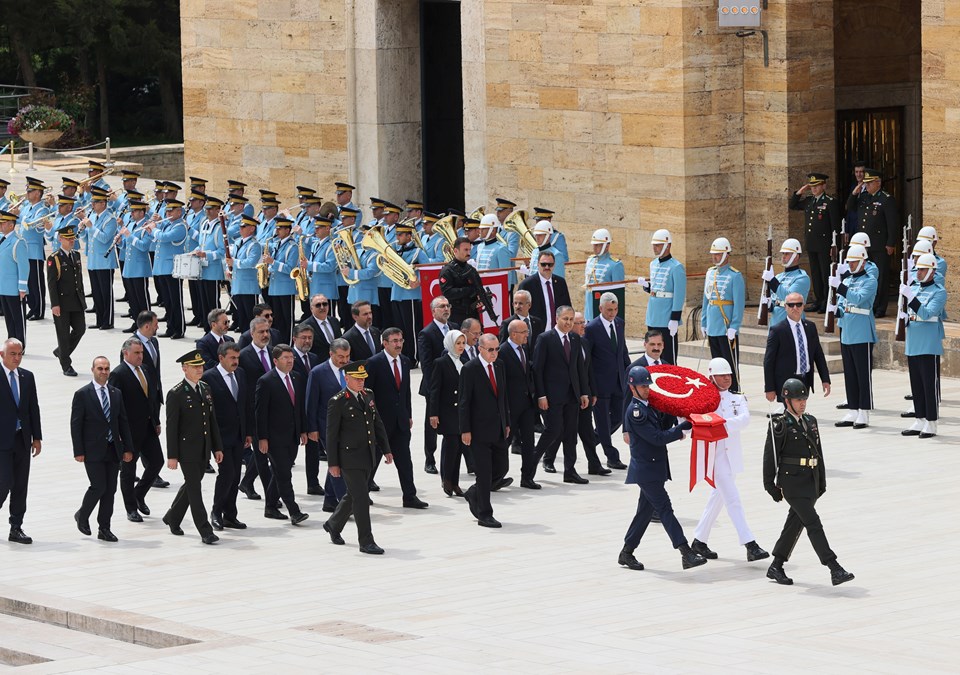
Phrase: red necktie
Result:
[396,374]
[566,348]
[293,399]
[493,379]
[553,308]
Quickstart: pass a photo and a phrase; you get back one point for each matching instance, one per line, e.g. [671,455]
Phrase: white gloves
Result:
[524,270]
[472,263]
[910,264]
[902,316]
[672,326]
[643,283]
[842,269]
[767,274]
[834,281]
[731,334]
[907,292]
[831,309]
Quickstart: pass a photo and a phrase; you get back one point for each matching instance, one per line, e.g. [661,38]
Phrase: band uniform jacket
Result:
[483,413]
[143,411]
[89,426]
[354,431]
[65,281]
[780,360]
[192,429]
[787,444]
[234,417]
[28,413]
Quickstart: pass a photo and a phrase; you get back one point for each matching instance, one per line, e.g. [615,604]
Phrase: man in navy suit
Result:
[521,310]
[304,360]
[101,438]
[650,469]
[324,382]
[548,292]
[147,327]
[20,435]
[261,311]
[233,408]
[363,336]
[208,344]
[429,349]
[388,377]
[521,392]
[256,360]
[608,351]
[326,328]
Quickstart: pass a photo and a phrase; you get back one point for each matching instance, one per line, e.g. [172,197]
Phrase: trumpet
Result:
[299,275]
[345,251]
[40,224]
[90,179]
[391,263]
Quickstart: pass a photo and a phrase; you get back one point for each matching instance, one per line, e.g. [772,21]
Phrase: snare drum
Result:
[186,266]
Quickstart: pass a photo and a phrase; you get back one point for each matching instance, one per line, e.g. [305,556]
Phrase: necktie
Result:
[493,379]
[803,351]
[151,351]
[105,402]
[551,314]
[326,330]
[566,348]
[523,358]
[396,373]
[526,320]
[263,361]
[15,388]
[343,382]
[293,399]
[143,381]
[220,341]
[445,329]
[613,337]
[233,386]
[373,349]
[656,362]
[306,362]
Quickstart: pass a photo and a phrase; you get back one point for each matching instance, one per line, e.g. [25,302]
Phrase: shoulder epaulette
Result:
[614,259]
[339,394]
[734,269]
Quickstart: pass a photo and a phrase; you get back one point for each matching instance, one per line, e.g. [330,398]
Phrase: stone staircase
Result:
[753,341]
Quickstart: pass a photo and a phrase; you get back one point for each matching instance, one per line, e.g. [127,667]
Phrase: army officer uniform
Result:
[65,283]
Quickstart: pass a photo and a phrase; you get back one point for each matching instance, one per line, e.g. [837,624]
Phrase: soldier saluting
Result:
[821,218]
[67,299]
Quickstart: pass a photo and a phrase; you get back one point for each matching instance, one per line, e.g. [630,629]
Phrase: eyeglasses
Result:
[545,264]
[443,306]
[794,304]
[322,304]
[488,349]
[266,316]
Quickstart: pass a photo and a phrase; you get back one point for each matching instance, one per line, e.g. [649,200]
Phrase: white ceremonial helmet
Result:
[543,227]
[928,232]
[791,246]
[927,261]
[490,224]
[861,238]
[923,246]
[719,366]
[721,245]
[602,236]
[856,256]
[661,236]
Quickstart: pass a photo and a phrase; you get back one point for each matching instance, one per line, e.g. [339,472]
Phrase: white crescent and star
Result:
[693,382]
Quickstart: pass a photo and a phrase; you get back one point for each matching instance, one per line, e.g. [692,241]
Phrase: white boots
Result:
[863,419]
[847,420]
[915,428]
[929,430]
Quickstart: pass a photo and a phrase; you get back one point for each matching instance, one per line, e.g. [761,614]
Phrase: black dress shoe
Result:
[489,522]
[18,536]
[328,509]
[70,372]
[373,487]
[372,549]
[776,573]
[616,464]
[250,493]
[628,560]
[843,423]
[274,514]
[176,336]
[700,547]
[110,327]
[908,397]
[94,326]
[754,552]
[692,559]
[843,406]
[838,576]
[471,497]
[210,539]
[502,483]
[82,525]
[299,518]
[549,467]
[334,536]
[414,503]
[56,352]
[599,471]
[158,482]
[31,317]
[910,432]
[194,322]
[316,490]
[529,484]
[575,478]
[106,535]
[134,517]
[234,524]
[216,522]
[131,329]
[430,468]
[174,529]
[209,468]
[909,413]
[142,507]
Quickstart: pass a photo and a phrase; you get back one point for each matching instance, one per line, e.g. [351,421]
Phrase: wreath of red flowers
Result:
[682,392]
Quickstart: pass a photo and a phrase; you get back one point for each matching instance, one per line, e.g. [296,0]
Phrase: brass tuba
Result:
[398,270]
[299,275]
[516,222]
[446,227]
[345,251]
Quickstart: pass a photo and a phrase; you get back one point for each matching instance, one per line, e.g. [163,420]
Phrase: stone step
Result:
[26,642]
[749,355]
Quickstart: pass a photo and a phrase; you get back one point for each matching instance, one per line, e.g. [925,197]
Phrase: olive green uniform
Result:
[65,282]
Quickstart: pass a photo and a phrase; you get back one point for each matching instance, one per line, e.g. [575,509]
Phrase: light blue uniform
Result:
[285,258]
[305,223]
[233,225]
[926,311]
[101,232]
[559,242]
[5,203]
[211,242]
[366,288]
[171,238]
[323,270]
[559,257]
[14,265]
[246,255]
[724,295]
[600,269]
[137,244]
[58,222]
[791,280]
[414,256]
[390,234]
[33,235]
[513,241]
[492,255]
[194,221]
[855,309]
[433,246]
[668,290]
[266,229]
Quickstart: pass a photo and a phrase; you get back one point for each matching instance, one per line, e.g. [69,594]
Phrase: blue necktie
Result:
[803,351]
[343,382]
[15,388]
[105,402]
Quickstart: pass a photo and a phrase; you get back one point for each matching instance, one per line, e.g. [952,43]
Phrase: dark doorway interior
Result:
[442,101]
[876,137]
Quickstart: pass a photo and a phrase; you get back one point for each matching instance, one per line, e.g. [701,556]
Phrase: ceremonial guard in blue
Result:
[929,233]
[821,220]
[210,250]
[67,299]
[557,239]
[321,264]
[101,228]
[601,268]
[137,269]
[65,217]
[854,308]
[30,223]
[235,188]
[503,210]
[880,219]
[667,287]
[723,304]
[650,470]
[791,280]
[14,270]
[407,306]
[863,239]
[283,258]
[543,233]
[244,288]
[926,307]
[346,221]
[171,236]
[493,254]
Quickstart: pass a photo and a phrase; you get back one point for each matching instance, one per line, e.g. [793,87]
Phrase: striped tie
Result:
[105,402]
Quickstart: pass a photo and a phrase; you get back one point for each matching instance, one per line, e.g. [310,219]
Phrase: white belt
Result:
[661,294]
[914,317]
[856,310]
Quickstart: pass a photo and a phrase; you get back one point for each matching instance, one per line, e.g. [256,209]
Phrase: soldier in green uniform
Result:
[354,432]
[793,470]
[192,436]
[65,282]
[821,219]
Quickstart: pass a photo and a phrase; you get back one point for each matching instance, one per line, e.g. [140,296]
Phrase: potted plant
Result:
[39,124]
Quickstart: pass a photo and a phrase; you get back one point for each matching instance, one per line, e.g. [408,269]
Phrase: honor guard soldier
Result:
[880,219]
[67,298]
[193,435]
[543,233]
[321,263]
[344,193]
[101,226]
[493,254]
[210,249]
[926,307]
[14,270]
[821,219]
[247,253]
[557,240]
[170,235]
[601,268]
[138,269]
[793,469]
[854,309]
[791,280]
[723,305]
[461,284]
[503,210]
[920,248]
[355,433]
[64,218]
[282,258]
[30,223]
[863,239]
[407,306]
[383,317]
[667,287]
[929,233]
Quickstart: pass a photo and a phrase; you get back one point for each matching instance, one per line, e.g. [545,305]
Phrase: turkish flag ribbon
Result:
[707,430]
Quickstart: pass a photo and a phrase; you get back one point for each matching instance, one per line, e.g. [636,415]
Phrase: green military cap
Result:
[870,175]
[504,204]
[64,200]
[816,178]
[343,187]
[213,201]
[191,358]
[248,221]
[67,232]
[173,203]
[356,370]
[69,182]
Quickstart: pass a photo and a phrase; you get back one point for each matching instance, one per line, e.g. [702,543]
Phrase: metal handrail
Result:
[10,96]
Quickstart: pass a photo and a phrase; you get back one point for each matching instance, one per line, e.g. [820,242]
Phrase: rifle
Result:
[485,303]
[763,313]
[830,318]
[901,331]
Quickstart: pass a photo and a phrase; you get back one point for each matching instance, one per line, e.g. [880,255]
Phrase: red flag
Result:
[707,430]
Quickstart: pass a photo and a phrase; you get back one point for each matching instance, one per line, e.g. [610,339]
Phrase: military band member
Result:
[65,217]
[4,200]
[96,170]
[309,210]
[432,241]
[854,308]
[236,206]
[821,218]
[67,299]
[247,253]
[193,435]
[791,280]
[880,219]
[793,469]
[101,226]
[383,314]
[723,305]
[354,433]
[282,257]
[137,269]
[31,228]
[543,233]
[367,277]
[460,283]
[601,267]
[414,209]
[376,212]
[407,306]
[194,217]
[503,210]
[321,263]
[926,302]
[557,239]
[14,271]
[236,188]
[269,209]
[170,235]
[667,287]
[210,250]
[344,197]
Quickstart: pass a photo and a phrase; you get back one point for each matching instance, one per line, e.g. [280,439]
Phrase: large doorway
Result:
[441,98]
[875,137]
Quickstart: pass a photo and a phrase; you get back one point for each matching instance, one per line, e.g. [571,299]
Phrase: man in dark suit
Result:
[429,349]
[193,435]
[485,427]
[547,291]
[388,377]
[261,311]
[326,328]
[561,384]
[304,360]
[147,327]
[233,406]
[281,427]
[521,310]
[363,336]
[608,351]
[585,430]
[325,380]
[20,435]
[101,438]
[210,342]
[256,361]
[793,349]
[521,391]
[134,382]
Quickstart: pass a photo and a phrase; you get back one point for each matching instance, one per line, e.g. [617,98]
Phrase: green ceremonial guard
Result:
[67,299]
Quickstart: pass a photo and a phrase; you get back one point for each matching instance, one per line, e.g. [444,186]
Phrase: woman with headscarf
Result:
[444,392]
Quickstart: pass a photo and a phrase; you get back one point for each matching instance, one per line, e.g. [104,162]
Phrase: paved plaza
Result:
[544,594]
